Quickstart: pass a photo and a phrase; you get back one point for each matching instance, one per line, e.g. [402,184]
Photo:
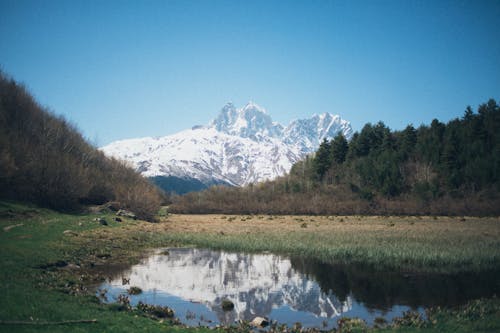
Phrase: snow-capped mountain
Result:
[307,134]
[249,122]
[207,155]
[238,147]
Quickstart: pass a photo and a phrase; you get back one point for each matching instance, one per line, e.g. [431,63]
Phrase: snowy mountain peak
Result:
[226,117]
[238,147]
[253,106]
[308,133]
[229,108]
[251,121]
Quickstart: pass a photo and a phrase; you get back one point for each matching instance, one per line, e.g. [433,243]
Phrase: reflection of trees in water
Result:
[383,289]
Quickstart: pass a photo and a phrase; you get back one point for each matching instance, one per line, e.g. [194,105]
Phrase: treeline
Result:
[45,160]
[448,169]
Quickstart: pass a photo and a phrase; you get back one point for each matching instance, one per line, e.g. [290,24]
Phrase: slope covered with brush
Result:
[45,160]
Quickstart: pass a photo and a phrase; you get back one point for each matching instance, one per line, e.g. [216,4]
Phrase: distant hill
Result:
[177,185]
[451,168]
[239,147]
[45,160]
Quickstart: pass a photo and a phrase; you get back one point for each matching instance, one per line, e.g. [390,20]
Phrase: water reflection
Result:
[195,281]
[385,289]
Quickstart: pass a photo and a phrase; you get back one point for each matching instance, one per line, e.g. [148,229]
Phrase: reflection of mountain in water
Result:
[290,290]
[255,283]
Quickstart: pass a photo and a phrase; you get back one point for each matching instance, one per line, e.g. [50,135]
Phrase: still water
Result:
[194,282]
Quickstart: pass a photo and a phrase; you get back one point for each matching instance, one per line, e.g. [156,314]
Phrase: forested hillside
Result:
[451,168]
[45,160]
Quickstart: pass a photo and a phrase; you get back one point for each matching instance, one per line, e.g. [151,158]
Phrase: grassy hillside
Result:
[441,169]
[45,160]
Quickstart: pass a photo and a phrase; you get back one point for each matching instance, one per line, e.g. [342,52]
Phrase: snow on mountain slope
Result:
[307,134]
[239,147]
[207,155]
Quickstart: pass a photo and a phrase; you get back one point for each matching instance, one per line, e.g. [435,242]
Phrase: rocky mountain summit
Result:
[239,147]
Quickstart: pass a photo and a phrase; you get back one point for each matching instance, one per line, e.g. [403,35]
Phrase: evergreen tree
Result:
[365,141]
[451,156]
[408,142]
[322,160]
[353,151]
[468,114]
[339,149]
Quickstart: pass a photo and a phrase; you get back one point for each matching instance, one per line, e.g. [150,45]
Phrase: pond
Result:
[194,282]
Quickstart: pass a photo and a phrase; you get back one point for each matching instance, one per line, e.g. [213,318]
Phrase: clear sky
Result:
[123,69]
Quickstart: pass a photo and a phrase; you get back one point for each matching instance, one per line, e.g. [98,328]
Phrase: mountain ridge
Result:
[238,147]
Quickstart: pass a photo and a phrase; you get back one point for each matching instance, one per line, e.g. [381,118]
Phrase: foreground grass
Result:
[33,289]
[34,242]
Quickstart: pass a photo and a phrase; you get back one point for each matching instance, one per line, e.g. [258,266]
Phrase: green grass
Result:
[388,251]
[29,293]
[33,289]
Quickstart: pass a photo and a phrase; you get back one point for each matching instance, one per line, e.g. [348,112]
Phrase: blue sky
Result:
[123,69]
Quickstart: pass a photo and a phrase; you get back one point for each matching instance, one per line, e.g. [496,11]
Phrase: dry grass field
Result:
[419,227]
